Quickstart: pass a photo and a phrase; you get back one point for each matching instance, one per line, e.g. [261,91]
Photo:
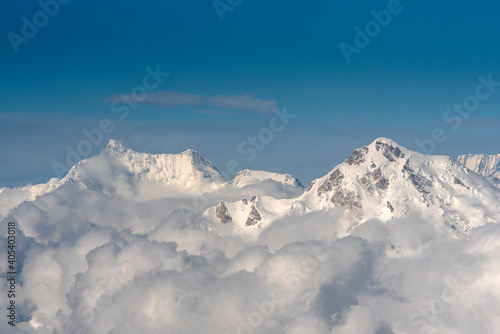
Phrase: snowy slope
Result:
[485,165]
[119,169]
[187,169]
[384,180]
[249,215]
[251,177]
[381,181]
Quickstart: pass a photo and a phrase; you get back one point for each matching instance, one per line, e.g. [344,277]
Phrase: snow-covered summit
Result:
[252,177]
[116,164]
[385,180]
[382,180]
[185,169]
[115,147]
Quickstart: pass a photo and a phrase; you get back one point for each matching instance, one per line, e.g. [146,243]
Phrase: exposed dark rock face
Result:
[382,184]
[376,174]
[456,180]
[347,199]
[389,205]
[251,200]
[333,182]
[309,187]
[357,157]
[420,183]
[407,168]
[222,213]
[339,197]
[254,217]
[365,181]
[390,152]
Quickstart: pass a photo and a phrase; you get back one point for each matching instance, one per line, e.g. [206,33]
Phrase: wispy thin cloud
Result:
[170,98]
[245,102]
[242,102]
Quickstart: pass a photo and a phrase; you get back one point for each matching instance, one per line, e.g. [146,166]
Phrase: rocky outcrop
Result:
[310,186]
[380,181]
[249,200]
[357,157]
[222,213]
[331,183]
[456,180]
[420,182]
[254,217]
[390,152]
[344,198]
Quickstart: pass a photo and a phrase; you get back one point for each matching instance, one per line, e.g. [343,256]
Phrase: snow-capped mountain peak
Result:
[385,180]
[114,146]
[185,169]
[252,177]
[188,157]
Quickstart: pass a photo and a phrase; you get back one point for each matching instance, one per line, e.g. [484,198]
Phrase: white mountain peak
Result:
[115,146]
[117,149]
[252,177]
[186,169]
[384,180]
[384,140]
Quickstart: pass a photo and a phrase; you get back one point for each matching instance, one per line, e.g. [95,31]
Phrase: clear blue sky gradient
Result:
[427,59]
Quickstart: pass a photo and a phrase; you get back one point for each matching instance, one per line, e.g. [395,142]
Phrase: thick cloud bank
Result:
[121,265]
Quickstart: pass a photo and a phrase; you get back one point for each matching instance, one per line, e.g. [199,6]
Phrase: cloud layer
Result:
[122,262]
[205,104]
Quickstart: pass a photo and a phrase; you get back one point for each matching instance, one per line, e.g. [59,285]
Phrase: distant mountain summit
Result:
[385,180]
[485,165]
[186,169]
[250,177]
[380,181]
[188,172]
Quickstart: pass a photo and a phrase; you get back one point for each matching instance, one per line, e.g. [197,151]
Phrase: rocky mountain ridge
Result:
[381,181]
[487,166]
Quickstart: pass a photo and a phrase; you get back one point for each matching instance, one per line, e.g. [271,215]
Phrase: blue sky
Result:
[226,76]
